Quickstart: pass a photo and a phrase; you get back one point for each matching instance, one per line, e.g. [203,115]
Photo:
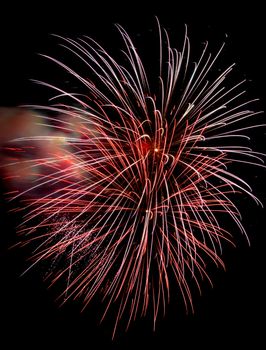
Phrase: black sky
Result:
[229,315]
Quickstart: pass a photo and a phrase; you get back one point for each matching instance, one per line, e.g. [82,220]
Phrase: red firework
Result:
[134,198]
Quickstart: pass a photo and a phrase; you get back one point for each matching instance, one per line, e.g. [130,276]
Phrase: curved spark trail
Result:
[135,194]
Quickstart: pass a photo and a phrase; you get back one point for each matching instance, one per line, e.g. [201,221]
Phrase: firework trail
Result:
[136,195]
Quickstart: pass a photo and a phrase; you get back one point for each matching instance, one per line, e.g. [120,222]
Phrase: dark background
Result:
[229,315]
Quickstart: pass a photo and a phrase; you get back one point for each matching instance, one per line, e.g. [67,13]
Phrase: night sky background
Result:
[230,315]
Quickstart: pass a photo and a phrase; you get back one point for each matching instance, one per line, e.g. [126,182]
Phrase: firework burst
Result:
[137,192]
